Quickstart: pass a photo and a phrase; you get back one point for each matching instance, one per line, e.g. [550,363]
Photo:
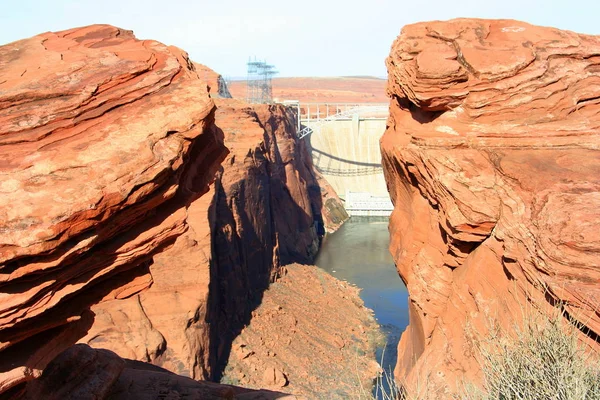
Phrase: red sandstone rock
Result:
[104,142]
[259,215]
[312,334]
[109,178]
[82,373]
[216,84]
[492,162]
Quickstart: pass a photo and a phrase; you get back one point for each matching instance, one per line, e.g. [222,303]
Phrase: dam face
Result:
[346,151]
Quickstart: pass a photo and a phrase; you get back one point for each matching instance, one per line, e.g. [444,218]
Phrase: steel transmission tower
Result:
[259,82]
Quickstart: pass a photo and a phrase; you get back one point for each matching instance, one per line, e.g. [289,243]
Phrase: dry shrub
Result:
[384,387]
[542,359]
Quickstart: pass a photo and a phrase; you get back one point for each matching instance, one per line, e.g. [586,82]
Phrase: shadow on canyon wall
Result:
[259,227]
[256,227]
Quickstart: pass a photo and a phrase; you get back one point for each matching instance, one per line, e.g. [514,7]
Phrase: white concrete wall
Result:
[347,153]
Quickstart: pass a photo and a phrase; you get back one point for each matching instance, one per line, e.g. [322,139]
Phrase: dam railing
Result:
[367,204]
[345,151]
[315,112]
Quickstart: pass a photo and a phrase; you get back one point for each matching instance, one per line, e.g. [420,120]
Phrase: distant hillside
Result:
[331,90]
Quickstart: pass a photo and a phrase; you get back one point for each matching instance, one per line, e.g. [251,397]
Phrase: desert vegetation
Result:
[540,358]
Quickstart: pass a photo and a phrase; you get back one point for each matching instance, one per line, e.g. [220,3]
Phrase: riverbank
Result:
[358,253]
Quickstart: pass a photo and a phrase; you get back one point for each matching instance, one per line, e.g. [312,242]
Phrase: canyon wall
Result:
[105,142]
[109,232]
[492,161]
[257,216]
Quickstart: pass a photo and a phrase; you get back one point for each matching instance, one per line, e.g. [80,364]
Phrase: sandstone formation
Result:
[105,141]
[83,373]
[311,336]
[258,216]
[109,234]
[216,84]
[493,164]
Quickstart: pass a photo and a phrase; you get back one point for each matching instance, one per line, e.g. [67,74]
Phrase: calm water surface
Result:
[358,253]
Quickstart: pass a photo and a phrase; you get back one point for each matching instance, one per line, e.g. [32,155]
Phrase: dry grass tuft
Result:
[542,359]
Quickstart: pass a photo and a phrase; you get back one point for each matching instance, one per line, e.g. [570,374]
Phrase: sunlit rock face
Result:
[492,160]
[105,142]
[111,233]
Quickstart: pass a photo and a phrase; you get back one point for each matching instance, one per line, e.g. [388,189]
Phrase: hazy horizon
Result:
[308,39]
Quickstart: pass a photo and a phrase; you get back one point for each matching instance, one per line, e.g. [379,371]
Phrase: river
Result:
[358,253]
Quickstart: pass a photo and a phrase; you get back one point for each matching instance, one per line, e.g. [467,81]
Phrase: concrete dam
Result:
[344,140]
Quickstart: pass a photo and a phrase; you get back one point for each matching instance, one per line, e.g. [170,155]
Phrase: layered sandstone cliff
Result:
[493,164]
[257,216]
[105,142]
[109,232]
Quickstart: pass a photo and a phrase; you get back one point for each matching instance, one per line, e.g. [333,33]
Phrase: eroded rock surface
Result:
[311,336]
[493,164]
[105,141]
[109,232]
[217,86]
[83,373]
[260,214]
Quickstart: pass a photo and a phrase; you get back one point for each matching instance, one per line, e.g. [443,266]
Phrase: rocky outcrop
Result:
[493,164]
[216,83]
[109,232]
[82,373]
[105,142]
[311,336]
[257,217]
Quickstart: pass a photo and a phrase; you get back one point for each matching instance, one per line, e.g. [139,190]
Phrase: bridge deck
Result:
[318,111]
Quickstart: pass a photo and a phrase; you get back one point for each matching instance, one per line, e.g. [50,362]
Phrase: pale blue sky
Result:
[301,37]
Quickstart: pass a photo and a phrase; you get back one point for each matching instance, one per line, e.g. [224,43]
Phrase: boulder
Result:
[83,373]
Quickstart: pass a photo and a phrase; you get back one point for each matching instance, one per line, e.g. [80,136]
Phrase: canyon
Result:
[156,235]
[147,219]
